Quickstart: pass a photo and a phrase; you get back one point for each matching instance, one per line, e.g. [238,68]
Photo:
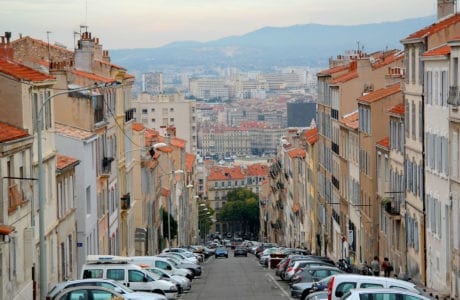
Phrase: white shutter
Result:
[454,154]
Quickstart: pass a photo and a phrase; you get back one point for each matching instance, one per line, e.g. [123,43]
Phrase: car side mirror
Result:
[339,294]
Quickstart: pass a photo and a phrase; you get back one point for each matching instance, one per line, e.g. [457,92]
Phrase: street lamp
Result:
[41,187]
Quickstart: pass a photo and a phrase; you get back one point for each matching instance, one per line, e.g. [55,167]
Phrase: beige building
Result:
[160,112]
[422,199]
[208,88]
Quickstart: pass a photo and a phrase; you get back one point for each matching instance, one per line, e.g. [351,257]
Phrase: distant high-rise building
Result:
[300,113]
[152,83]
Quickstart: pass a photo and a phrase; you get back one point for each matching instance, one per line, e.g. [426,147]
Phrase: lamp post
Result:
[41,187]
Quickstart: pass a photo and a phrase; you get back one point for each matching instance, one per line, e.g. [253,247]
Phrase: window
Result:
[116,274]
[88,200]
[153,120]
[93,273]
[144,111]
[413,120]
[152,110]
[136,276]
[171,119]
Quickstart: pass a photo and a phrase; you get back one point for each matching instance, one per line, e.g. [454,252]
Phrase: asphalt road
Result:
[236,278]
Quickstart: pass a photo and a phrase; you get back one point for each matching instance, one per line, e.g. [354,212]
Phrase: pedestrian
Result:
[387,267]
[375,266]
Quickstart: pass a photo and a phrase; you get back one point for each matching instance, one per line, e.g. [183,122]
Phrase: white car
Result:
[184,282]
[105,283]
[382,293]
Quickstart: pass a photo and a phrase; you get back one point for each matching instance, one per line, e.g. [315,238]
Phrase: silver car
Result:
[104,283]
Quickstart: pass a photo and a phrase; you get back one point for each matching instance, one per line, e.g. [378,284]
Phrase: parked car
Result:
[121,269]
[106,283]
[195,269]
[299,264]
[240,251]
[221,252]
[320,295]
[382,293]
[183,283]
[304,280]
[162,263]
[89,292]
[339,285]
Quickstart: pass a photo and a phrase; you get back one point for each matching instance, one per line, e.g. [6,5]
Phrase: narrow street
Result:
[237,278]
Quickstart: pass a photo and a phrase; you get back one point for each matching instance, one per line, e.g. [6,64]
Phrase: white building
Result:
[161,112]
[81,144]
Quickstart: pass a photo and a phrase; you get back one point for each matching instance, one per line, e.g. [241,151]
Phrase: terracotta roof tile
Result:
[73,132]
[22,72]
[138,127]
[351,120]
[333,70]
[311,135]
[225,173]
[9,132]
[189,161]
[442,50]
[110,64]
[6,229]
[385,142]
[434,28]
[63,161]
[381,93]
[297,153]
[388,59]
[177,142]
[91,76]
[397,109]
[257,170]
[344,78]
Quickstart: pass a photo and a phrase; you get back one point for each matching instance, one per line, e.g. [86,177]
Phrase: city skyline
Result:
[141,24]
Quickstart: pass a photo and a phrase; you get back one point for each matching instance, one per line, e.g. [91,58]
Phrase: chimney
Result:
[445,8]
[6,51]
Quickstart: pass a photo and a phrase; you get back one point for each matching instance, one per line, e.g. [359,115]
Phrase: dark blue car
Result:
[221,252]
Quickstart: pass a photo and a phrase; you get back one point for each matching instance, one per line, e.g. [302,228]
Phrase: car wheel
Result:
[304,294]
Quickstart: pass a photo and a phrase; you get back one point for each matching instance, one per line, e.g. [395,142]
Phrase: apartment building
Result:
[17,245]
[224,141]
[427,198]
[373,127]
[222,179]
[338,89]
[160,112]
[208,88]
[152,83]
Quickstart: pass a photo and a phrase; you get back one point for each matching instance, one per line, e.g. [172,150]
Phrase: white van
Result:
[340,284]
[133,276]
[161,263]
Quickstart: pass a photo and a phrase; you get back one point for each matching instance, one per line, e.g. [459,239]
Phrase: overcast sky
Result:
[152,23]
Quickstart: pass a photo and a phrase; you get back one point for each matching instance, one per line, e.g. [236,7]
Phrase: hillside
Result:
[307,45]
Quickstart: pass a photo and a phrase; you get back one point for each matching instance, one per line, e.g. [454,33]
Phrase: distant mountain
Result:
[298,45]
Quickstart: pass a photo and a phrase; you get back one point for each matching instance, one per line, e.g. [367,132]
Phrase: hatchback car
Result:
[99,292]
[105,283]
[221,252]
[382,293]
[240,251]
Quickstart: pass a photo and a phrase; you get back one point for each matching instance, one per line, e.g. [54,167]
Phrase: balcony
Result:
[106,167]
[335,148]
[392,208]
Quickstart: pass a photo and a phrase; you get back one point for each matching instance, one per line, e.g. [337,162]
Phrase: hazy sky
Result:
[152,23]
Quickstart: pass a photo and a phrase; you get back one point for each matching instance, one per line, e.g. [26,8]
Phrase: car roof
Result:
[88,287]
[386,290]
[357,277]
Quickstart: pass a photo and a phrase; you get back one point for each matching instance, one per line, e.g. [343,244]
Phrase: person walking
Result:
[375,266]
[387,267]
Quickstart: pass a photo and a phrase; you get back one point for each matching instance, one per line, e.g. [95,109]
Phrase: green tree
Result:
[164,215]
[242,207]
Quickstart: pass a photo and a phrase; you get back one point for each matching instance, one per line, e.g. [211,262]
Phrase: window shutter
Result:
[454,154]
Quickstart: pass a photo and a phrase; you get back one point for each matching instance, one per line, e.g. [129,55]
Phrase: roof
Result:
[388,59]
[442,50]
[63,161]
[9,133]
[137,127]
[333,70]
[73,132]
[397,109]
[344,78]
[351,120]
[225,173]
[433,28]
[189,160]
[21,72]
[177,142]
[381,93]
[385,143]
[6,229]
[311,135]
[91,76]
[297,153]
[257,170]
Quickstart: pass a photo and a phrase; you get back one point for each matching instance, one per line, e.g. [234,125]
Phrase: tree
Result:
[164,215]
[242,207]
